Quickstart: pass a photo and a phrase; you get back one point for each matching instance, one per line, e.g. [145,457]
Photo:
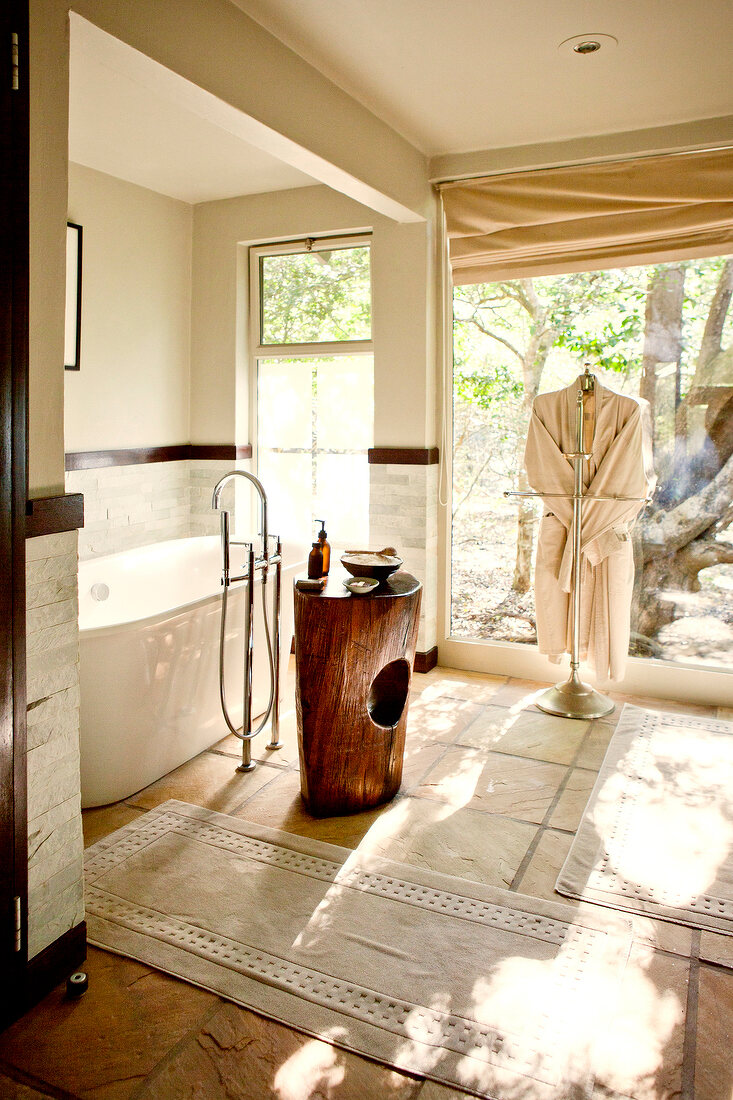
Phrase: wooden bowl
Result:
[379,564]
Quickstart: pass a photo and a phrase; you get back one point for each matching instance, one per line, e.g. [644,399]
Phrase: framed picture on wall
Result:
[72,341]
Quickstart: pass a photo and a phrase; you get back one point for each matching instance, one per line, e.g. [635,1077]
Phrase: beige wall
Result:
[402,264]
[49,90]
[133,386]
[295,111]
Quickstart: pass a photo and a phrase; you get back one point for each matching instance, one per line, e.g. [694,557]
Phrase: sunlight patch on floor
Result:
[314,1070]
[459,786]
[680,818]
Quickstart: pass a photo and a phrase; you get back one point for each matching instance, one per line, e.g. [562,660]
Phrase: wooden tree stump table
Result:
[353,658]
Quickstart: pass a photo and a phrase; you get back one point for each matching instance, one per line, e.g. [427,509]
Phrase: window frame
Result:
[325,349]
[320,349]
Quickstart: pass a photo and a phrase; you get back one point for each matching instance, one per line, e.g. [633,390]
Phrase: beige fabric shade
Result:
[584,218]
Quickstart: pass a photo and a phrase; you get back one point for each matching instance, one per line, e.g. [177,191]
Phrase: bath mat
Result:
[657,834]
[499,994]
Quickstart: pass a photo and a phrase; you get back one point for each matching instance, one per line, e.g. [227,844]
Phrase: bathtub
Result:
[149,659]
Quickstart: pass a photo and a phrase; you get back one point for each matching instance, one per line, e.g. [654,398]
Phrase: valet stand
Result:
[573,698]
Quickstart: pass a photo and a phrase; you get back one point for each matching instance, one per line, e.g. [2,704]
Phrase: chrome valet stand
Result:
[574,698]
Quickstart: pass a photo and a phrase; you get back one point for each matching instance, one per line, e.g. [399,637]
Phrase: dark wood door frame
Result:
[13,494]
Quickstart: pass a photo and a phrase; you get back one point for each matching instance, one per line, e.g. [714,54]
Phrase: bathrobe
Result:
[618,434]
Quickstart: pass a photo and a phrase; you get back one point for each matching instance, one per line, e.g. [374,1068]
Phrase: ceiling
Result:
[454,76]
[131,118]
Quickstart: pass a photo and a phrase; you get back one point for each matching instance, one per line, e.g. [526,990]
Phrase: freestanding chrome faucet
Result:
[264,562]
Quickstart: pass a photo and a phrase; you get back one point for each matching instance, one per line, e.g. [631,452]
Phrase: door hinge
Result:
[18,924]
[14,62]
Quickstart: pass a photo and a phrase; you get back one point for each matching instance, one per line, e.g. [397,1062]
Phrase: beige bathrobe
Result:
[618,433]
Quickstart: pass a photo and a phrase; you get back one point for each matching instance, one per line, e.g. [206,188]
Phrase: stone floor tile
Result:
[240,1056]
[597,739]
[525,733]
[103,820]
[283,757]
[477,846]
[713,1060]
[519,693]
[431,1090]
[16,1090]
[573,800]
[524,1089]
[281,807]
[208,780]
[499,784]
[540,876]
[104,1044]
[418,759]
[662,934]
[444,672]
[470,686]
[640,1053]
[716,949]
[439,719]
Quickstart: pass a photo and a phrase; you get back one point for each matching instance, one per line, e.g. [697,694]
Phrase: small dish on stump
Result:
[361,586]
[378,564]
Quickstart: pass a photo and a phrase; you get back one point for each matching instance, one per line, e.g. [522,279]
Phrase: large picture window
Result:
[663,332]
[314,401]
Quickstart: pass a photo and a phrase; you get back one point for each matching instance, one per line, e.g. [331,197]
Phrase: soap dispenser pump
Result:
[325,546]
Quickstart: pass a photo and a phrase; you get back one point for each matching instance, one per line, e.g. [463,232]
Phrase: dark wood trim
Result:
[425,661]
[136,456]
[50,515]
[229,452]
[404,456]
[226,452]
[54,964]
[14,264]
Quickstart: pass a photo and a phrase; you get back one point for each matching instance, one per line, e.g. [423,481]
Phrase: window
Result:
[314,385]
[664,332]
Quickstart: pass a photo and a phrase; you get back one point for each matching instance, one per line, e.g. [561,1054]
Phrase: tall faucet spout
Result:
[261,492]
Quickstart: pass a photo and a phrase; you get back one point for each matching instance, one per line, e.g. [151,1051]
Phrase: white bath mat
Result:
[496,993]
[657,834]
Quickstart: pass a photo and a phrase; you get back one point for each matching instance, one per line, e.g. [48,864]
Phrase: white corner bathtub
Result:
[149,659]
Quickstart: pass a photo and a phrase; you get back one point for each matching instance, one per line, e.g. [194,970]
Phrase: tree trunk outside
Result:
[662,329]
[522,578]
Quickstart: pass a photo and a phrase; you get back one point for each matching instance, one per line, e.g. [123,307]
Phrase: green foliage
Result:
[316,296]
[480,388]
[612,348]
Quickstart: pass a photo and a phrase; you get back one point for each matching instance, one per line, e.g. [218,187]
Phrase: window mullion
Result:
[314,351]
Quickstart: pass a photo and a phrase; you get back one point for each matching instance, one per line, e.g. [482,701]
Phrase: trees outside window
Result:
[663,332]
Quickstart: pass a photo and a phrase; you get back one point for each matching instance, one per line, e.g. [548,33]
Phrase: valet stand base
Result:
[574,699]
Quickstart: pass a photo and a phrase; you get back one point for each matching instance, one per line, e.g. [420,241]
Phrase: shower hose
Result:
[240,733]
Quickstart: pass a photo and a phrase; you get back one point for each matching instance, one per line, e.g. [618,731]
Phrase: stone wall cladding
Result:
[55,845]
[403,512]
[129,506]
[203,475]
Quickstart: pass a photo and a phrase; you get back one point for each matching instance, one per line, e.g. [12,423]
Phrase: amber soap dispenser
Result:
[325,546]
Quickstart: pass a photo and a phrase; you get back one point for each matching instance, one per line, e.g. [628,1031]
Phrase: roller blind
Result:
[648,210]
